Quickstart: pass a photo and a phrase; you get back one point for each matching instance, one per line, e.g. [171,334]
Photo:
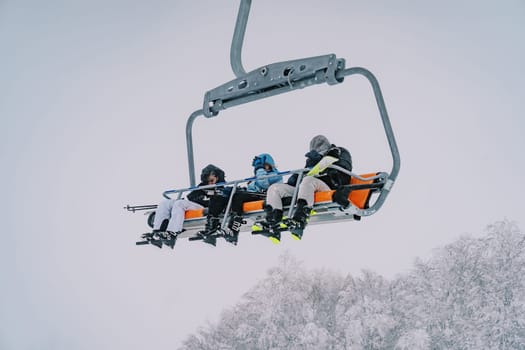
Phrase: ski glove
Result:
[312,158]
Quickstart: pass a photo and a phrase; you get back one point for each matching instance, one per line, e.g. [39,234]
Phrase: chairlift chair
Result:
[367,191]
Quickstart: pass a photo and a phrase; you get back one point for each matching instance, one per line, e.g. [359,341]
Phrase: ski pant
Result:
[308,186]
[173,210]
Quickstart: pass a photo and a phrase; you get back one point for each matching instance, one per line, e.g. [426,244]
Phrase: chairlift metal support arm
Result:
[238,38]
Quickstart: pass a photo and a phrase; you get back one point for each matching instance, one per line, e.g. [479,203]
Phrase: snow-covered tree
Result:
[469,295]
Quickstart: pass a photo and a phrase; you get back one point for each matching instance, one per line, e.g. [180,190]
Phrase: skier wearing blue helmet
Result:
[263,166]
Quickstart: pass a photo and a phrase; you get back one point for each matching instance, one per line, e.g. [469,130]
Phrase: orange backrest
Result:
[360,197]
[324,196]
[357,197]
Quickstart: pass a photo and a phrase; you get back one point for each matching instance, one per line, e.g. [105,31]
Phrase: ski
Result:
[273,232]
[158,239]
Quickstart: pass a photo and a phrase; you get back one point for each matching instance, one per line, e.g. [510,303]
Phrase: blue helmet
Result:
[263,158]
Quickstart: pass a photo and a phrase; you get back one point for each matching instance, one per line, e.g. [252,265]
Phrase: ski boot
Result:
[158,238]
[234,227]
[272,226]
[150,238]
[154,237]
[170,238]
[213,224]
[299,219]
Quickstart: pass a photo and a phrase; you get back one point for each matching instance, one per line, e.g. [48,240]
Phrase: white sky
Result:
[94,98]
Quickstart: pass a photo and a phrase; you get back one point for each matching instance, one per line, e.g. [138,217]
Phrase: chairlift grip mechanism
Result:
[273,79]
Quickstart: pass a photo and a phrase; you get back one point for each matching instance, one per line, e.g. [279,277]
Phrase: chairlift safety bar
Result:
[376,186]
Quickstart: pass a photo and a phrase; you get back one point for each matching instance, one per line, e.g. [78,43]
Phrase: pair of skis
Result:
[158,239]
[273,231]
[211,238]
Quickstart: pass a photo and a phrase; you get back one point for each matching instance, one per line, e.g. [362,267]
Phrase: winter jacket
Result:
[202,196]
[261,185]
[333,178]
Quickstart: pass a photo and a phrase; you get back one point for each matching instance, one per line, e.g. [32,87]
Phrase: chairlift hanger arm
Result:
[238,38]
[382,111]
[189,144]
[235,98]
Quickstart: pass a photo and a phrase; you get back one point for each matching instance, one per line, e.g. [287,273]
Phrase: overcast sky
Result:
[94,98]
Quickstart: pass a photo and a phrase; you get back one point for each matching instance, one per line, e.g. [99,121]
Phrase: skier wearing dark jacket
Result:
[320,178]
[204,196]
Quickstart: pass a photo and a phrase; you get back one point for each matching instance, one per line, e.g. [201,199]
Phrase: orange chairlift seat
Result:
[325,209]
[359,198]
